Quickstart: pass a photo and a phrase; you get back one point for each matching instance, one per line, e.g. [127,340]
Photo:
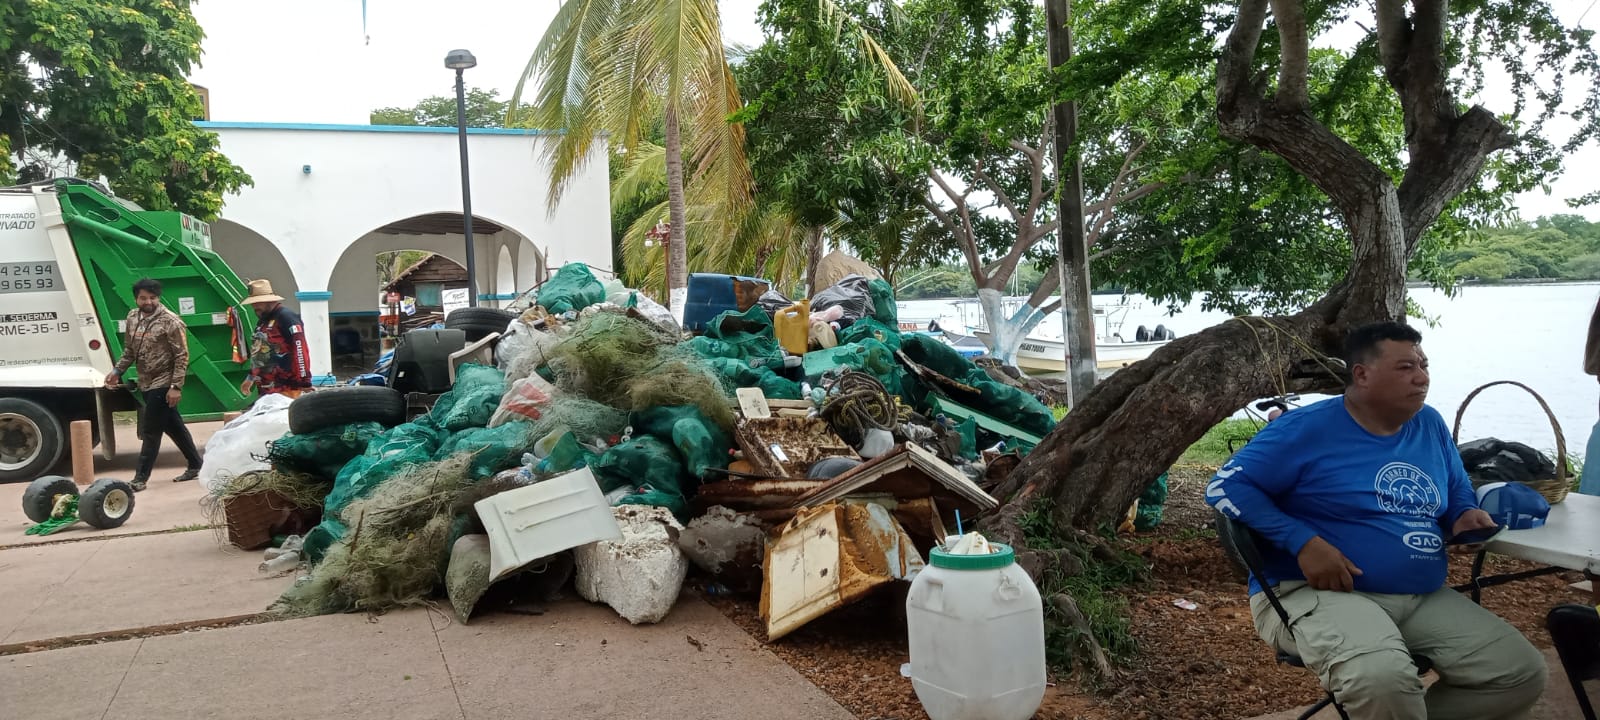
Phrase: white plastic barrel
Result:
[976,629]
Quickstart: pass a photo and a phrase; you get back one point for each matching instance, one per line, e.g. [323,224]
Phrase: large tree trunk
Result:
[677,248]
[1136,424]
[814,253]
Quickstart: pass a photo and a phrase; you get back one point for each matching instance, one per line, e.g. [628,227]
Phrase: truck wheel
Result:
[106,504]
[31,439]
[40,497]
[478,322]
[332,407]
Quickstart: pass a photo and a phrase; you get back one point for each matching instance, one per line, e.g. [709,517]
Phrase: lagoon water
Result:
[1533,334]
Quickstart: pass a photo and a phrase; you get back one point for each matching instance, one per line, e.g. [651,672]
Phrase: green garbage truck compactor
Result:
[69,255]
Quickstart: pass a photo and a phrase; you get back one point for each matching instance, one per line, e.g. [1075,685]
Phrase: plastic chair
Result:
[1242,546]
[1575,630]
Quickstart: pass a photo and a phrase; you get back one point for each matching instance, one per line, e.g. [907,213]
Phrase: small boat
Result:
[1043,351]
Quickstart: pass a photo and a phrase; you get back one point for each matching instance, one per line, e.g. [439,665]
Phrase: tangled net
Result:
[393,555]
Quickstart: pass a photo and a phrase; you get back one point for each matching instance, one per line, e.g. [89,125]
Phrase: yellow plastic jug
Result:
[793,327]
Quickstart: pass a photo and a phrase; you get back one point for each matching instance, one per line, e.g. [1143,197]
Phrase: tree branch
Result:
[965,238]
[1236,97]
[999,192]
[1295,55]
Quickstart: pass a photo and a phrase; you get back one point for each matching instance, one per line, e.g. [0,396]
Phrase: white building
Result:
[328,198]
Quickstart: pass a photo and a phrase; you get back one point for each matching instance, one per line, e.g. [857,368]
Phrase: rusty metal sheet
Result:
[829,557]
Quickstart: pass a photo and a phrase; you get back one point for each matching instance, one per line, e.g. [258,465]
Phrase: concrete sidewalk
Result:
[89,588]
[163,506]
[578,660]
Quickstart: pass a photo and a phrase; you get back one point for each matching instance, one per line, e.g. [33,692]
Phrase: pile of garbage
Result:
[807,450]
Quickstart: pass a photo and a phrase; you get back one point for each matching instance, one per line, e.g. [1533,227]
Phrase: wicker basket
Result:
[253,518]
[1553,490]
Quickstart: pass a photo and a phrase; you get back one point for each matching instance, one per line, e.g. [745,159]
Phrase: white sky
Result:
[307,61]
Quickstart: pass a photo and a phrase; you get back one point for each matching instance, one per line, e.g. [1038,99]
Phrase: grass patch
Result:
[1212,449]
[192,528]
[1058,412]
[1095,590]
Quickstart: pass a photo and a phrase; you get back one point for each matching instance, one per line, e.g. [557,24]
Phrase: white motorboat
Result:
[1042,351]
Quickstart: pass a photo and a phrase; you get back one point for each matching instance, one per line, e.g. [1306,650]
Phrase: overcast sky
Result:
[308,61]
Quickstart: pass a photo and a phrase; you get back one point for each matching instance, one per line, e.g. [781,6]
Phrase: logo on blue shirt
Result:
[1404,489]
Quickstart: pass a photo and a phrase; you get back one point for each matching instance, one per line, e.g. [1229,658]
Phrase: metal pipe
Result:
[466,190]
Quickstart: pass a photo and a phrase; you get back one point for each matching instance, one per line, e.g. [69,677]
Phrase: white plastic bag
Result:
[525,400]
[233,449]
[523,349]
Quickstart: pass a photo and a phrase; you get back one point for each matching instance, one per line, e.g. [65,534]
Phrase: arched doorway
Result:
[254,257]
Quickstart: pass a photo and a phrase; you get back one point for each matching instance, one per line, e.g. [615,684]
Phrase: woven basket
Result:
[1553,490]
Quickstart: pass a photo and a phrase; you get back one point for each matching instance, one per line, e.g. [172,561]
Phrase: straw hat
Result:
[261,292]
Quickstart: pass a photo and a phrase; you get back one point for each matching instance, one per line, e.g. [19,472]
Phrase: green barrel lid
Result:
[1001,557]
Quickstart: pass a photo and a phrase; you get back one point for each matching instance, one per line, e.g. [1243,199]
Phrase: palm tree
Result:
[613,66]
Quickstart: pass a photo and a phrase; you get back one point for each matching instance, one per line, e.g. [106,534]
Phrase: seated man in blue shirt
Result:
[1356,496]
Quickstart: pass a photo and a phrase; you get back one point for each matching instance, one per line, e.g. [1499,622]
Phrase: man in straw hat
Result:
[280,361]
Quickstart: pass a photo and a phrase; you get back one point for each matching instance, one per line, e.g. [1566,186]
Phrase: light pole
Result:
[460,61]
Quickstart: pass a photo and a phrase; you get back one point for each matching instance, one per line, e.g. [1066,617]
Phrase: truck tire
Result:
[31,439]
[332,407]
[106,504]
[40,497]
[478,322]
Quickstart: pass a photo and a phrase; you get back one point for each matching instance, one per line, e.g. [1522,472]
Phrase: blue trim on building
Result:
[325,127]
[314,295]
[502,296]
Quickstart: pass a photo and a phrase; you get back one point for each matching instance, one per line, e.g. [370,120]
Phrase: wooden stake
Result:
[82,452]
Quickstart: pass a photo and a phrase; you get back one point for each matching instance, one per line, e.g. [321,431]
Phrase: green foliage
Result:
[484,110]
[101,85]
[1213,449]
[1097,590]
[1563,247]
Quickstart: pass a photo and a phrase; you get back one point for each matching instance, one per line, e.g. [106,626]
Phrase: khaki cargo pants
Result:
[1360,646]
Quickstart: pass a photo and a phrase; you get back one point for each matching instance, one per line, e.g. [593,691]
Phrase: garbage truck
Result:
[69,255]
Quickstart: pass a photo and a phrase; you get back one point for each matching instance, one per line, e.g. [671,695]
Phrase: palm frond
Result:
[900,89]
[645,172]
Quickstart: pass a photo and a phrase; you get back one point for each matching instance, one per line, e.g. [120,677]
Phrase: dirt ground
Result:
[1201,663]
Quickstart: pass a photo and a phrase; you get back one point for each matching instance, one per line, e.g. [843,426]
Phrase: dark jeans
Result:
[156,419]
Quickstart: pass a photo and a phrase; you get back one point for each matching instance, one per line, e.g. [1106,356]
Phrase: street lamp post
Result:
[460,61]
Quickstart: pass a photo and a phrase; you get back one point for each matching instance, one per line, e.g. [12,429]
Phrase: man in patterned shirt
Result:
[280,361]
[155,341]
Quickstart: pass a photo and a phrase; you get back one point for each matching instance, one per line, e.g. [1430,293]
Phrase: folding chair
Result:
[1243,548]
[1575,630]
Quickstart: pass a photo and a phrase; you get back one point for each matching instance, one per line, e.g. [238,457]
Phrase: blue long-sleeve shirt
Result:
[1387,503]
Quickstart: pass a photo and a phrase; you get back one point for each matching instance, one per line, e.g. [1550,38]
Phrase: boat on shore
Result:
[1043,350]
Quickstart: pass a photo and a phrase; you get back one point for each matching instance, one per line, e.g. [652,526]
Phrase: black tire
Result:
[32,439]
[40,497]
[106,504]
[478,322]
[332,407]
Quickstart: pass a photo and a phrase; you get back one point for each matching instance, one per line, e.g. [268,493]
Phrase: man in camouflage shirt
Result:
[155,342]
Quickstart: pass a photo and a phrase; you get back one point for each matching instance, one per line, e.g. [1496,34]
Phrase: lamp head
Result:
[460,60]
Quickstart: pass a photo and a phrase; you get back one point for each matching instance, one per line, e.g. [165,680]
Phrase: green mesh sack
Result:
[1152,503]
[740,375]
[883,305]
[325,452]
[494,449]
[996,399]
[870,329]
[472,400]
[700,442]
[573,288]
[638,461]
[750,333]
[400,446]
[868,356]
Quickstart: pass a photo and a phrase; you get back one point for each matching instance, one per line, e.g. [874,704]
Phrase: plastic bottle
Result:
[975,625]
[280,564]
